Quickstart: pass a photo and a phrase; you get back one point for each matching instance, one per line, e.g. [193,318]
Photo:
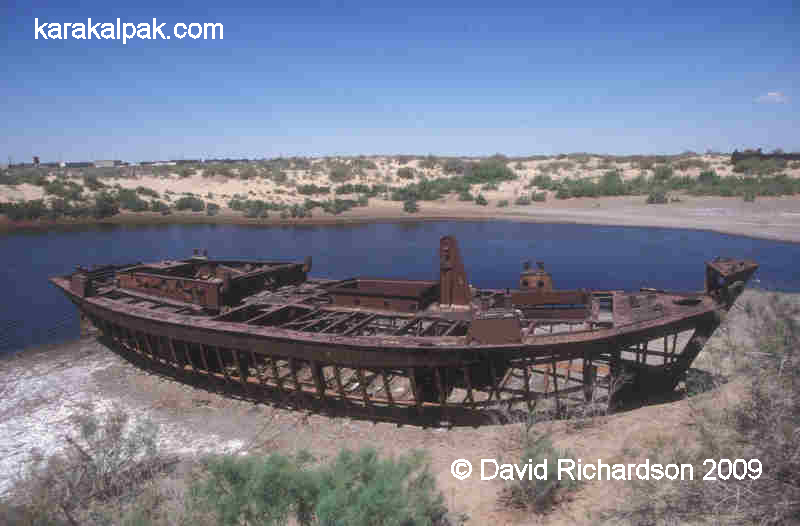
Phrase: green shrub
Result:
[502,203]
[523,200]
[190,203]
[709,177]
[465,196]
[354,489]
[159,206]
[340,173]
[538,494]
[611,183]
[480,200]
[92,183]
[105,205]
[405,172]
[212,209]
[749,196]
[756,166]
[490,171]
[545,182]
[539,197]
[33,209]
[662,173]
[129,200]
[410,206]
[68,190]
[563,193]
[312,189]
[453,166]
[149,192]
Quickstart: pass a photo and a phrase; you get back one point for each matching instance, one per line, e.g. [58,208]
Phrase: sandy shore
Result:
[768,217]
[776,218]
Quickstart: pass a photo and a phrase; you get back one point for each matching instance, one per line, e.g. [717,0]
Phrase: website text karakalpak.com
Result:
[123,31]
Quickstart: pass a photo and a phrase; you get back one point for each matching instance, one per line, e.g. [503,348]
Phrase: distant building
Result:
[104,164]
[80,164]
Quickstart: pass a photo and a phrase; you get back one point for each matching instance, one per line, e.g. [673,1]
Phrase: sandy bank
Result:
[776,218]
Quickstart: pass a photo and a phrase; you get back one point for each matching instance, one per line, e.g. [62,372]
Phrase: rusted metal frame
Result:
[243,374]
[363,386]
[468,380]
[276,374]
[148,348]
[319,380]
[431,328]
[262,315]
[440,386]
[293,371]
[154,344]
[359,325]
[187,352]
[645,344]
[674,346]
[494,381]
[130,342]
[346,319]
[212,377]
[178,364]
[387,386]
[549,374]
[304,326]
[415,386]
[452,327]
[555,388]
[589,377]
[308,316]
[337,374]
[405,326]
[259,378]
[527,379]
[223,369]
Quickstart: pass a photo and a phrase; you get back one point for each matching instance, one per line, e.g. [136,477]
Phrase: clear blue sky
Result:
[350,78]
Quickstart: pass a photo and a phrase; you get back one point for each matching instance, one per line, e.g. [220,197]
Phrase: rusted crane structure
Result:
[397,348]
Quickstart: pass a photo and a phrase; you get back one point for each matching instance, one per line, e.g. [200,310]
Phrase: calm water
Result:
[33,312]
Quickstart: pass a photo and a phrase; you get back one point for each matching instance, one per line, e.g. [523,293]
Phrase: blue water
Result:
[33,312]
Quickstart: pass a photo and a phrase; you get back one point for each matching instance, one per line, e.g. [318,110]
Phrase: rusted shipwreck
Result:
[265,330]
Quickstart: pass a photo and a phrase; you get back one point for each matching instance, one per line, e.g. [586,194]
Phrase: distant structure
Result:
[36,160]
[104,164]
[737,156]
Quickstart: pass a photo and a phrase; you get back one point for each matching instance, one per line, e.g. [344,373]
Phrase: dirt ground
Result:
[40,389]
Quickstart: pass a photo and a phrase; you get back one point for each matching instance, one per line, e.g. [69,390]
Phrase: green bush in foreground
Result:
[480,200]
[356,488]
[411,206]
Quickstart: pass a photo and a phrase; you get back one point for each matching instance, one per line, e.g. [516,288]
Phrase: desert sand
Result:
[768,217]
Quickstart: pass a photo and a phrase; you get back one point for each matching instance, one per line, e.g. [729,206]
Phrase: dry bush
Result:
[763,424]
[533,446]
[105,463]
